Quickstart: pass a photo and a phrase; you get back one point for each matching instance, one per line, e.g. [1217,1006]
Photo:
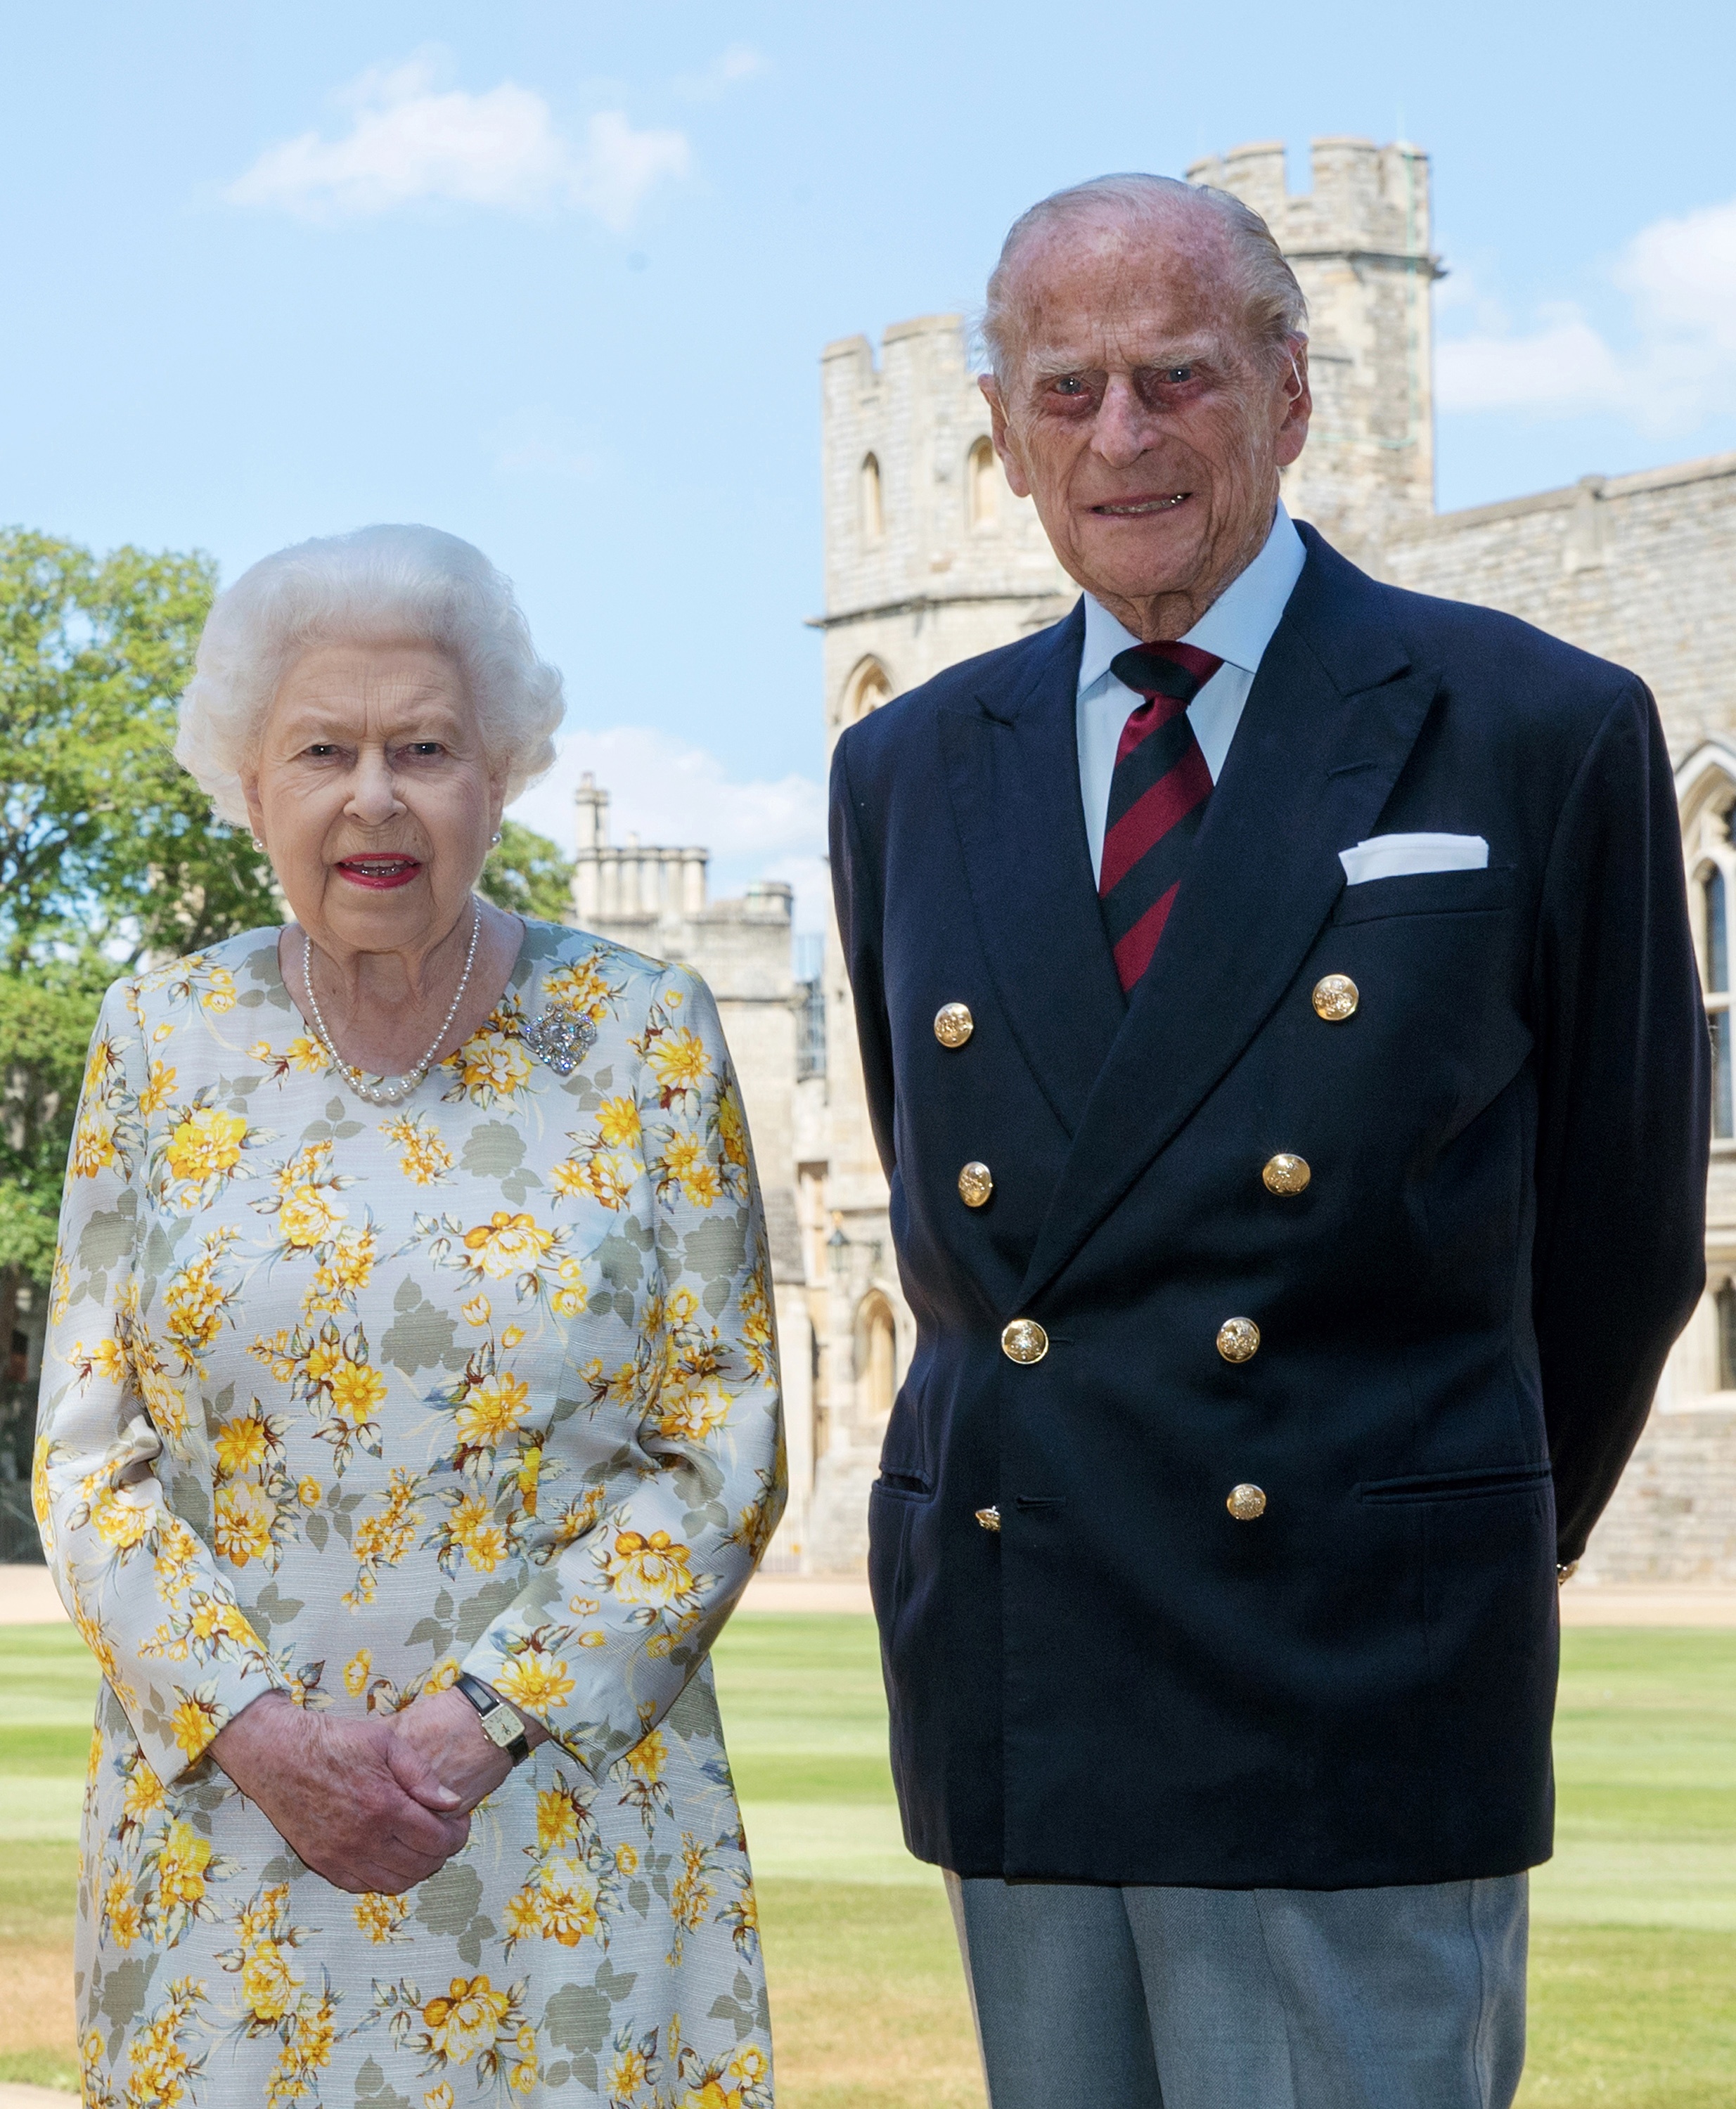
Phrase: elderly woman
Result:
[411,1424]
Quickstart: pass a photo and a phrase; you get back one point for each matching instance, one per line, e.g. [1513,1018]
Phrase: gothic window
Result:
[874,520]
[1725,1301]
[1714,967]
[868,687]
[877,1350]
[982,483]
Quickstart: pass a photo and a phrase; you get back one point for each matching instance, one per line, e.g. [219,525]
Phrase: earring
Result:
[495,836]
[257,843]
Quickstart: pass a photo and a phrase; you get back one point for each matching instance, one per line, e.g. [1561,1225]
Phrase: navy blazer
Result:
[1463,1318]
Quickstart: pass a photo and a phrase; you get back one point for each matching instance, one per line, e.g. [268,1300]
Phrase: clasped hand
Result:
[378,1804]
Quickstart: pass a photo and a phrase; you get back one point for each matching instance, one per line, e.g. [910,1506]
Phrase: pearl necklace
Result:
[387,1092]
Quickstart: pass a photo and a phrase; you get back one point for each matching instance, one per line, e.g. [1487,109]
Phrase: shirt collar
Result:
[1237,626]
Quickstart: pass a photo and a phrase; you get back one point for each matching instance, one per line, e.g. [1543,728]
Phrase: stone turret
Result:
[1358,243]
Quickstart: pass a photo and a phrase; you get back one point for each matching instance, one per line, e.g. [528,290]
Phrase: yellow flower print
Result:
[206,1145]
[108,1360]
[626,1860]
[703,1187]
[649,1570]
[732,1126]
[629,2072]
[121,1523]
[356,1671]
[245,1515]
[571,1297]
[309,1216]
[160,1090]
[380,1918]
[269,1986]
[193,1723]
[492,1411]
[473,1528]
[218,993]
[492,1065]
[242,1445]
[438,2098]
[307,1493]
[507,1244]
[476,1311]
[523,1914]
[567,1903]
[180,1867]
[466,2020]
[424,1159]
[647,1757]
[681,1061]
[144,1793]
[125,1919]
[534,1680]
[305,1055]
[358,1392]
[557,1820]
[93,1144]
[511,1336]
[581,989]
[618,1122]
[751,2065]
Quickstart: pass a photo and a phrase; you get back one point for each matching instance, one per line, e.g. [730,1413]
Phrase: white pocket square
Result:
[1395,856]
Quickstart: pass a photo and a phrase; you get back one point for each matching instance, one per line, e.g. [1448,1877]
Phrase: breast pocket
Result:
[1428,893]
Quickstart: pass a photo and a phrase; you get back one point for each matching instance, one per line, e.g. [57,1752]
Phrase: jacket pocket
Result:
[1427,893]
[1477,1484]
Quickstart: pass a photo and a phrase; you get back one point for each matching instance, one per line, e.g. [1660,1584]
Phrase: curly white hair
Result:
[378,582]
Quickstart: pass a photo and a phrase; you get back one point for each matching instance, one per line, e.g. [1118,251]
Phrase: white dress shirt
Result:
[1236,628]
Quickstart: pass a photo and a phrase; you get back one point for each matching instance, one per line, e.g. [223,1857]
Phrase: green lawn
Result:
[1634,1950]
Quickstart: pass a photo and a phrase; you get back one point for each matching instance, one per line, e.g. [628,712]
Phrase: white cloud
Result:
[1678,278]
[666,791]
[410,143]
[740,62]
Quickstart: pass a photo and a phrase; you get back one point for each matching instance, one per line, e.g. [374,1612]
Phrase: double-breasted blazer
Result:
[1461,1318]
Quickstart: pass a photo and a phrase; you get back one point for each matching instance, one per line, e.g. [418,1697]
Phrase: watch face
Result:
[501,1727]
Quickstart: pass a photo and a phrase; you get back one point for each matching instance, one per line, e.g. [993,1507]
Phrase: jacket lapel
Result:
[1331,718]
[1012,769]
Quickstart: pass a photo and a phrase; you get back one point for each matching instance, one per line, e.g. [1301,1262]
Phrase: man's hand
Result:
[356,1798]
[446,1731]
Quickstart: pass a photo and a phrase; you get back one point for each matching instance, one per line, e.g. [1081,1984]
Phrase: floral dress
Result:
[340,1400]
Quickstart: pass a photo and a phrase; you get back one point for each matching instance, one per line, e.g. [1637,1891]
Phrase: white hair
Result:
[378,583]
[1277,313]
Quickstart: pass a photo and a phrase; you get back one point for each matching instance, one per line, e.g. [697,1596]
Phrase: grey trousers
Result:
[1136,1998]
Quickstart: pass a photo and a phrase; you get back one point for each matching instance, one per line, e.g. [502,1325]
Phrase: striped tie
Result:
[1156,800]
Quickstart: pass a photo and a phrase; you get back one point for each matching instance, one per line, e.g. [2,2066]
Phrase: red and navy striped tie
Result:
[1156,800]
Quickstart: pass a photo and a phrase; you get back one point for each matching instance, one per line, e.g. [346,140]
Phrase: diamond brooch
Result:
[558,1040]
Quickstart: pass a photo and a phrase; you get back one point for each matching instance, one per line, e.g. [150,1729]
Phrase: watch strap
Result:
[496,1717]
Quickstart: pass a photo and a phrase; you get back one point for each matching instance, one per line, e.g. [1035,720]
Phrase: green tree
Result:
[526,874]
[109,853]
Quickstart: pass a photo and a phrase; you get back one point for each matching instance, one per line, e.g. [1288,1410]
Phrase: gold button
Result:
[1286,1173]
[976,1182]
[1247,1503]
[1024,1341]
[1238,1340]
[1336,997]
[953,1024]
[989,1518]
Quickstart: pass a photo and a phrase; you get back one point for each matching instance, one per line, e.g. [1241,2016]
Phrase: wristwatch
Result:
[500,1722]
[1566,1575]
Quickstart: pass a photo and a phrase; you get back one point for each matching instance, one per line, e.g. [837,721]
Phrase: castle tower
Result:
[1358,243]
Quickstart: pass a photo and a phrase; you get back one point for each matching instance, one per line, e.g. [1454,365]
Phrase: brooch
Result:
[560,1040]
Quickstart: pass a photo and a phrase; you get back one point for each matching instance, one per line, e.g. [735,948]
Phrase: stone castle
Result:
[929,558]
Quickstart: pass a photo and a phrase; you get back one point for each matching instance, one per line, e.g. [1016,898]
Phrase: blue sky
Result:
[557,277]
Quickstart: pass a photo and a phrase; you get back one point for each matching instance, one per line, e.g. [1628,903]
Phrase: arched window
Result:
[1714,967]
[877,1340]
[874,519]
[982,483]
[1725,1301]
[868,687]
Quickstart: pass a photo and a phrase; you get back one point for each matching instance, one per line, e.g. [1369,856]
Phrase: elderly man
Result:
[1298,971]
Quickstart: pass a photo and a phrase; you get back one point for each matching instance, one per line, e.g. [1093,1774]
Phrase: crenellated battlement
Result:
[1358,243]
